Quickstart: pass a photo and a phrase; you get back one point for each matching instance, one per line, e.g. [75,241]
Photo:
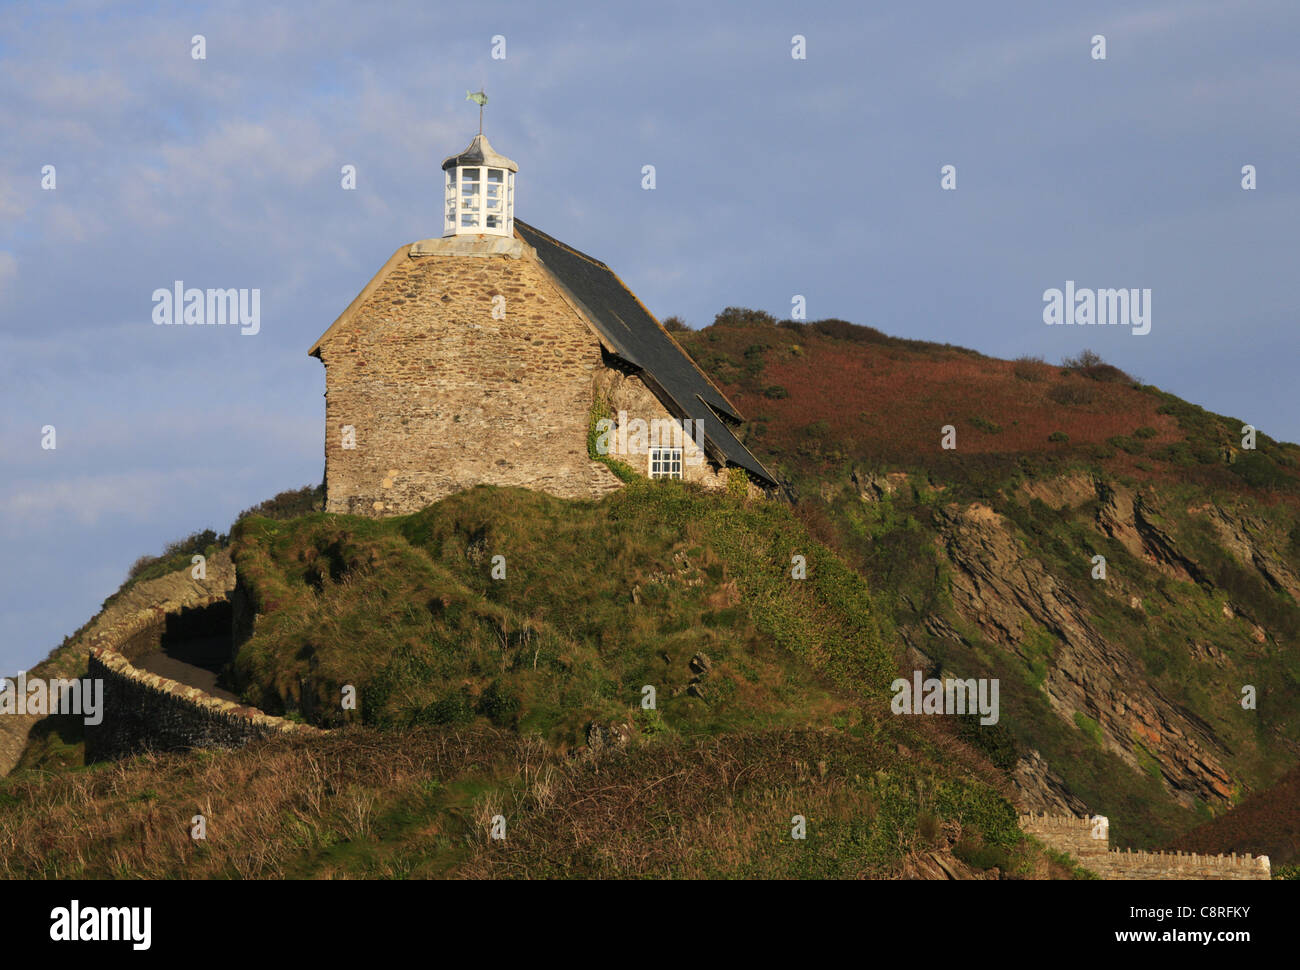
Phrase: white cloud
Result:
[88,499]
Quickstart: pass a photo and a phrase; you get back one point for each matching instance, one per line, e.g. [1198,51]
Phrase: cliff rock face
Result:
[1241,535]
[1040,789]
[998,588]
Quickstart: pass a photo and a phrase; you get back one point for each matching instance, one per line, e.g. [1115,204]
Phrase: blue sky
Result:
[775,177]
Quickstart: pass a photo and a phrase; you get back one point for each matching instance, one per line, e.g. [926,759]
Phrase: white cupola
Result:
[480,192]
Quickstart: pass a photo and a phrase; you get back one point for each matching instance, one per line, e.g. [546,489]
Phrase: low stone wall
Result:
[146,712]
[1066,833]
[131,623]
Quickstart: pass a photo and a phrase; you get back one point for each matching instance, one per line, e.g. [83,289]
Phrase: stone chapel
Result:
[497,354]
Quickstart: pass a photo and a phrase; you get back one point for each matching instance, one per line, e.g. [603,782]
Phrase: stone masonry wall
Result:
[1071,835]
[132,623]
[628,393]
[146,712]
[443,397]
[143,711]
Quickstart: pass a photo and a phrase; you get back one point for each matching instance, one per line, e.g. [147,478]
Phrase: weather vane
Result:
[480,99]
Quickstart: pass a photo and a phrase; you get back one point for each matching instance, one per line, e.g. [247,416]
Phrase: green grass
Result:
[599,599]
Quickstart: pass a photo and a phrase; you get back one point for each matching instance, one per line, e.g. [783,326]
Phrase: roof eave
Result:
[361,298]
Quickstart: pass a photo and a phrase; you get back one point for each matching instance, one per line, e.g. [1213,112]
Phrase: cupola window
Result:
[480,192]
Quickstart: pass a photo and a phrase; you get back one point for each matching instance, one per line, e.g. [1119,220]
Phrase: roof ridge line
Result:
[563,245]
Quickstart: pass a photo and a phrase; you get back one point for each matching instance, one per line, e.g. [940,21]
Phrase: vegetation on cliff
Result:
[982,557]
[513,685]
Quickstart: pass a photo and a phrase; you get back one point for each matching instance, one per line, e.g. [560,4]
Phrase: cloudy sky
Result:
[775,176]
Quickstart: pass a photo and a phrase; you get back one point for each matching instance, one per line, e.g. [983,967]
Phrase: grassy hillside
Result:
[1052,467]
[419,804]
[596,600]
[500,642]
[1266,823]
[521,696]
[820,394]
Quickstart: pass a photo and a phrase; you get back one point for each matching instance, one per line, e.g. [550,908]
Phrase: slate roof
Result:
[636,337]
[480,152]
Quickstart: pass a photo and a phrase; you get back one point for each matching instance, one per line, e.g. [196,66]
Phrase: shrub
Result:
[1258,471]
[1072,393]
[1029,368]
[737,482]
[175,555]
[1085,358]
[981,856]
[843,330]
[735,316]
[994,740]
[1126,444]
[289,504]
[985,425]
[1146,431]
[1060,436]
[1089,364]
[675,324]
[499,705]
[455,708]
[775,392]
[1178,453]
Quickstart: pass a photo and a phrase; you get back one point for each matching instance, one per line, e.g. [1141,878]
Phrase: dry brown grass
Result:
[265,806]
[361,803]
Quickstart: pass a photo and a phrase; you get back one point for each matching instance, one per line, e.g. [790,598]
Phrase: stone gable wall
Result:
[1066,833]
[444,397]
[628,393]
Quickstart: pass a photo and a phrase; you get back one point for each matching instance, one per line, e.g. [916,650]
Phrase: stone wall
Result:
[146,712]
[443,397]
[132,623]
[1066,833]
[143,711]
[627,393]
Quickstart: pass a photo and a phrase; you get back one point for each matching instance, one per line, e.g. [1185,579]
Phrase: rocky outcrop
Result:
[1040,789]
[1131,521]
[873,486]
[1061,492]
[1241,535]
[942,865]
[1002,591]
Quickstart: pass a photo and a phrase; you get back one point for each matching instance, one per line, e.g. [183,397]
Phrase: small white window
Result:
[665,463]
[470,189]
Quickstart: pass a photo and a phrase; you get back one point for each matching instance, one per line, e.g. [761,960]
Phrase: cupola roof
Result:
[480,152]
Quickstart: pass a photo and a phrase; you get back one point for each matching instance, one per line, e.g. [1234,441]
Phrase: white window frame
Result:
[467,213]
[672,457]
